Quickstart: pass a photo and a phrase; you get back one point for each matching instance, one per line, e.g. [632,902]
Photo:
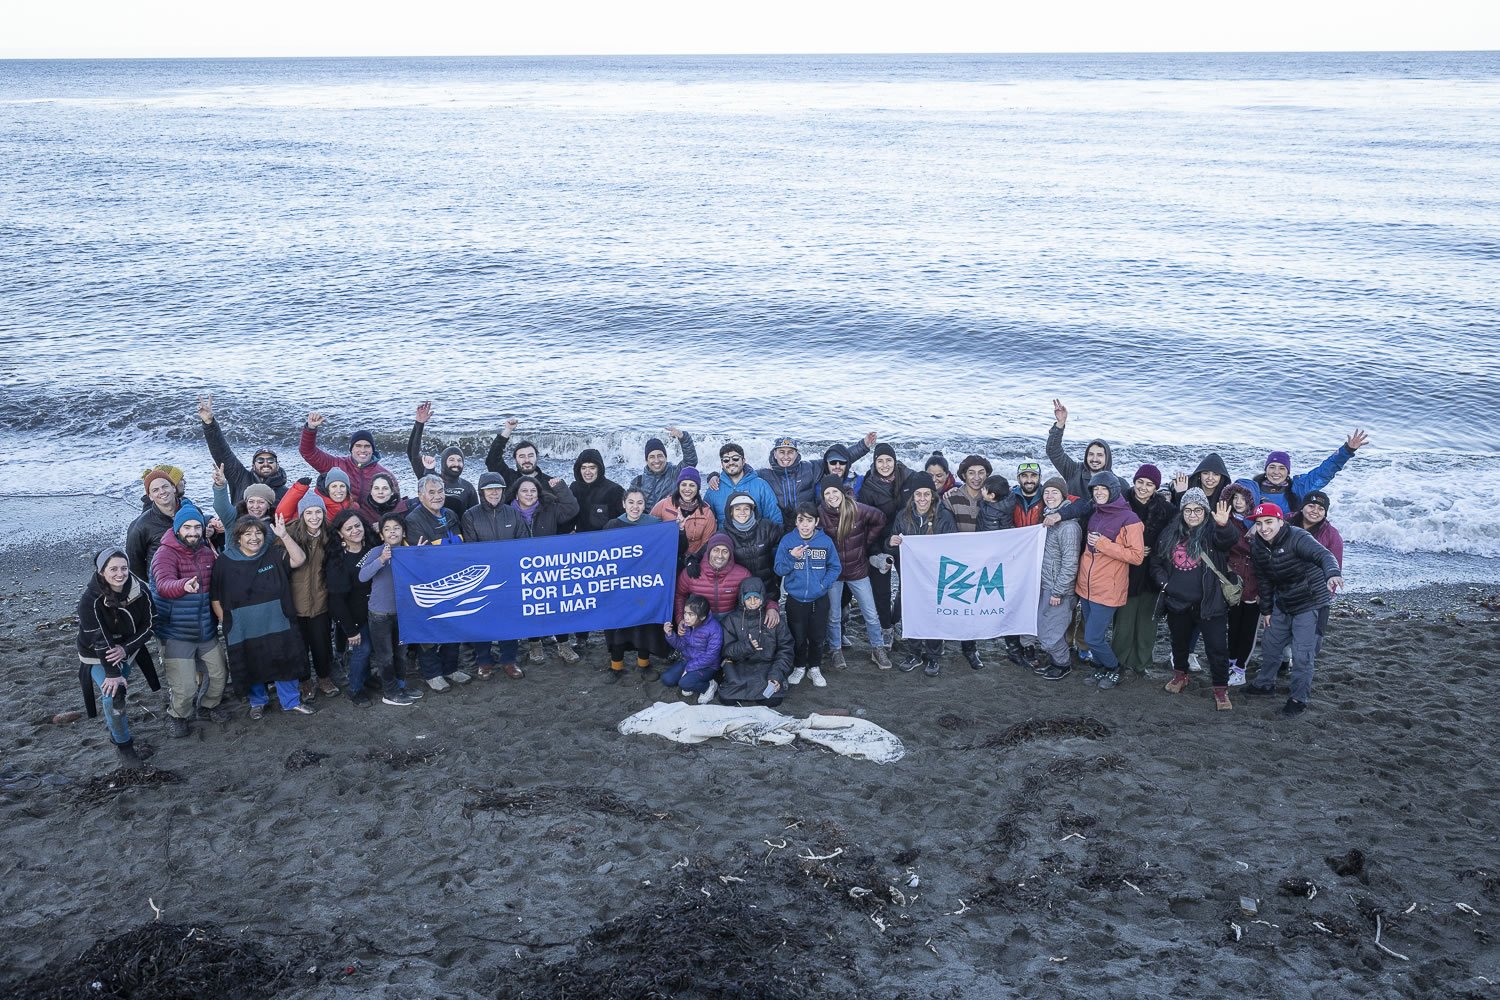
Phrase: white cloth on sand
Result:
[684,722]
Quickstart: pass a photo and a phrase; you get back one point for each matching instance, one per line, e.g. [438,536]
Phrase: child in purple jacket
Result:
[700,640]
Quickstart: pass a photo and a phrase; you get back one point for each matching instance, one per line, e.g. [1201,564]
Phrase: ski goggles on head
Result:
[1029,467]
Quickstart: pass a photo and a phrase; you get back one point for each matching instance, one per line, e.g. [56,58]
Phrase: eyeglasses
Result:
[833,461]
[732,459]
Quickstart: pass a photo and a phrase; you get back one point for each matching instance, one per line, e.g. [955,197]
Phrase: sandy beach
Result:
[1038,839]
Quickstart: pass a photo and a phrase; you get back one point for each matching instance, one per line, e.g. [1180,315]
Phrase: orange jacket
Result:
[698,526]
[1104,572]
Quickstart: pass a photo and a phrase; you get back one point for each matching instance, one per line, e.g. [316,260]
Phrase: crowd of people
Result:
[278,584]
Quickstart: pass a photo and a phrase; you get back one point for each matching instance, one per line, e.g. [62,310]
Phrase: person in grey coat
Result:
[1298,578]
[659,480]
[1059,575]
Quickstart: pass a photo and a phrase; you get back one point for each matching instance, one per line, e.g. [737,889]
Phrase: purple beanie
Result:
[1148,471]
[689,473]
[1280,457]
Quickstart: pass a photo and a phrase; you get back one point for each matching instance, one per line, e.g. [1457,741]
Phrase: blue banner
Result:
[536,586]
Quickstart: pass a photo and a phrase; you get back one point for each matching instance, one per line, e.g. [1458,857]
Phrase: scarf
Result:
[1109,518]
[527,512]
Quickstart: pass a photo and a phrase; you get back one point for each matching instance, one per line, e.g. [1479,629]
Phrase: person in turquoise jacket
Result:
[737,477]
[1277,485]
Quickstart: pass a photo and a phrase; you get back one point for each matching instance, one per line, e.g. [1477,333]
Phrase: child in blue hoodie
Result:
[700,640]
[808,563]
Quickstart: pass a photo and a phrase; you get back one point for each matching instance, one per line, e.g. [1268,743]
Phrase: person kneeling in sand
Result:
[757,658]
[700,640]
[114,622]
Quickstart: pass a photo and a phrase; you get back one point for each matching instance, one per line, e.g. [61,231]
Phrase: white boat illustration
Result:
[453,585]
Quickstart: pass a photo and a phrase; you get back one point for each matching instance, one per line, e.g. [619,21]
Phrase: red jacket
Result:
[359,475]
[175,564]
[864,538]
[720,586]
[287,508]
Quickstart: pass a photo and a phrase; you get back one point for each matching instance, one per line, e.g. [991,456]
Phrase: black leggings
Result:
[1244,619]
[808,622]
[1215,633]
[880,583]
[317,635]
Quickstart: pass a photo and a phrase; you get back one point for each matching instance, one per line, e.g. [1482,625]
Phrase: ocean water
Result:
[1230,252]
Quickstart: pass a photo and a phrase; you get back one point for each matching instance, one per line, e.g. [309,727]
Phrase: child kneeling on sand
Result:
[700,640]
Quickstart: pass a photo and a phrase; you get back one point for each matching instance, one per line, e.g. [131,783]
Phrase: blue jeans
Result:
[359,661]
[113,711]
[485,652]
[288,693]
[677,676]
[1096,621]
[437,660]
[864,594]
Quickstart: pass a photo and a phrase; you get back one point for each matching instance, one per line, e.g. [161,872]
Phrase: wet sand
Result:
[466,846]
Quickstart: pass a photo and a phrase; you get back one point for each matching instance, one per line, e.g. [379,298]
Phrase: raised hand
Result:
[429,463]
[1059,413]
[511,425]
[315,419]
[1221,513]
[424,411]
[870,439]
[279,527]
[554,482]
[206,408]
[1180,483]
[1357,440]
[673,432]
[219,479]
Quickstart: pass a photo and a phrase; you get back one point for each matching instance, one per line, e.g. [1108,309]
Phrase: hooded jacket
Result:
[599,502]
[308,582]
[755,549]
[359,475]
[1155,515]
[1239,556]
[1293,571]
[863,540]
[798,482]
[748,669]
[179,614]
[753,486]
[487,522]
[721,587]
[555,507]
[1327,536]
[1104,569]
[1077,473]
[696,527]
[812,575]
[458,493]
[886,497]
[937,521]
[287,508]
[236,476]
[1027,510]
[1060,556]
[1288,496]
[659,485]
[372,512]
[701,646]
[1211,463]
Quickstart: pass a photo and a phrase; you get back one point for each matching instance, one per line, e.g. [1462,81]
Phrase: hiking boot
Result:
[881,659]
[177,728]
[219,713]
[326,686]
[359,698]
[816,676]
[535,653]
[1041,667]
[1194,667]
[931,668]
[911,662]
[438,683]
[975,663]
[1236,677]
[302,710]
[458,677]
[613,675]
[1056,672]
[128,756]
[1178,682]
[309,690]
[1293,708]
[1109,680]
[649,674]
[707,696]
[1221,699]
[1256,691]
[567,653]
[836,660]
[795,677]
[400,699]
[1018,655]
[513,671]
[257,712]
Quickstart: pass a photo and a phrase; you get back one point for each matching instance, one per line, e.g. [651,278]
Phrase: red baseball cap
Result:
[1267,510]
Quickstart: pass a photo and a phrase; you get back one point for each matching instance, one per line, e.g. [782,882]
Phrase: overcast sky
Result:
[94,28]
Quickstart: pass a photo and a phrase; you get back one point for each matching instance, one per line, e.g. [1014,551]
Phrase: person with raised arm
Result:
[265,468]
[525,456]
[794,479]
[1097,456]
[458,493]
[361,465]
[1277,485]
[660,477]
[1189,567]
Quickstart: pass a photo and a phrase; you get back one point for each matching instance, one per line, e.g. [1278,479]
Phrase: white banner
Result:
[971,584]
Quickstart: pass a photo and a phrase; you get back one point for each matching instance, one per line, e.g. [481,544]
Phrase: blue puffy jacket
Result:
[811,576]
[1289,496]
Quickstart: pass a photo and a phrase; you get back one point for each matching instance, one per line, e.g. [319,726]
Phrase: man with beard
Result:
[525,456]
[265,468]
[458,493]
[361,465]
[737,477]
[181,571]
[660,478]
[1097,457]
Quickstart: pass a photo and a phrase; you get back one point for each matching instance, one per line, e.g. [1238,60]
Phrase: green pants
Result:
[1135,633]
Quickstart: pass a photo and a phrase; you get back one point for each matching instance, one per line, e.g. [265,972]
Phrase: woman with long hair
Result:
[1190,565]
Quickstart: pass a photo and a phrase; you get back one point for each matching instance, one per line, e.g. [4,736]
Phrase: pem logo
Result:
[959,584]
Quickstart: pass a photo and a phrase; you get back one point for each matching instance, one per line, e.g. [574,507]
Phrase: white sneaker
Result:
[795,677]
[1194,667]
[458,677]
[816,676]
[708,696]
[1236,677]
[438,684]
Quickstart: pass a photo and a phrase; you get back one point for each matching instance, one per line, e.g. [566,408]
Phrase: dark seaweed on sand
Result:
[160,962]
[555,798]
[400,760]
[105,787]
[299,759]
[717,929]
[1041,729]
